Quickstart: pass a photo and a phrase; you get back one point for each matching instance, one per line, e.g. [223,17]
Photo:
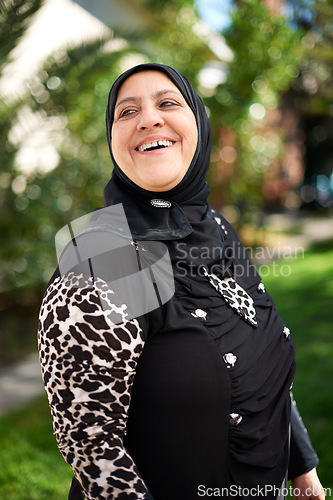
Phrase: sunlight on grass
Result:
[31,467]
[305,302]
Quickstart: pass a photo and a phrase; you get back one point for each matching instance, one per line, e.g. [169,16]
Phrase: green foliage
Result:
[266,53]
[314,88]
[15,17]
[14,20]
[66,102]
[267,56]
[68,97]
[304,300]
[175,42]
[31,467]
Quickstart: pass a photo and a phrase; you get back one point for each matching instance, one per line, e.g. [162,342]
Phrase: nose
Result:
[149,118]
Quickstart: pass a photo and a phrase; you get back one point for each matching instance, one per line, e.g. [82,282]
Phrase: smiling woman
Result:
[154,133]
[194,394]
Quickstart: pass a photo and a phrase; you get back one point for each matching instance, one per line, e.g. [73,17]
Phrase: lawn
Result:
[31,468]
[305,302]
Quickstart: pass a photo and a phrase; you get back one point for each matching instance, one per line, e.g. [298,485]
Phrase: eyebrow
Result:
[159,93]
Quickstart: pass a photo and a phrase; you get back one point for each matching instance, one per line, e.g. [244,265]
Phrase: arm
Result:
[303,458]
[303,461]
[88,360]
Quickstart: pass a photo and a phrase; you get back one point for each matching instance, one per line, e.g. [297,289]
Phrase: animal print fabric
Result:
[236,297]
[88,365]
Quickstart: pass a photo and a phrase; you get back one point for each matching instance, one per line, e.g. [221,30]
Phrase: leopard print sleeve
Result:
[88,357]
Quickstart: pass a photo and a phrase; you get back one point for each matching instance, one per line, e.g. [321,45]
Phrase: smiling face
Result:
[154,132]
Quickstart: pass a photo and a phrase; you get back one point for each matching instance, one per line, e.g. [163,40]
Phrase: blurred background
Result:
[264,70]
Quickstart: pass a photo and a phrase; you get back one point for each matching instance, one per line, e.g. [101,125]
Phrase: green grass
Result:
[305,302]
[31,468]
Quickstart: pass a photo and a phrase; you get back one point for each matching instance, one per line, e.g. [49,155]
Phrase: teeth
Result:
[153,144]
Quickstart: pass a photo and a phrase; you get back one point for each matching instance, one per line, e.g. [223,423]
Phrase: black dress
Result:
[210,403]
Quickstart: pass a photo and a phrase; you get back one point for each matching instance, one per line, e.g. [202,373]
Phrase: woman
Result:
[191,398]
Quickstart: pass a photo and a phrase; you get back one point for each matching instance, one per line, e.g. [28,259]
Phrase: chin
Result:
[158,188]
[159,185]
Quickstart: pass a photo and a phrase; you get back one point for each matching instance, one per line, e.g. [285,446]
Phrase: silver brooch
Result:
[157,203]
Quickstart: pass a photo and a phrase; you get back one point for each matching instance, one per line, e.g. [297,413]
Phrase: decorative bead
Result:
[135,245]
[138,247]
[286,332]
[199,313]
[235,419]
[230,359]
[261,288]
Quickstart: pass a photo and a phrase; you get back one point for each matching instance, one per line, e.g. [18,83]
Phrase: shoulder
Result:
[236,254]
[225,225]
[76,299]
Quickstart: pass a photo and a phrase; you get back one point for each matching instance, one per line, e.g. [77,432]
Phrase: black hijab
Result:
[181,213]
[168,222]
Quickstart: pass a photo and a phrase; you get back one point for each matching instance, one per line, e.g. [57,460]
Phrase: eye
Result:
[168,103]
[126,112]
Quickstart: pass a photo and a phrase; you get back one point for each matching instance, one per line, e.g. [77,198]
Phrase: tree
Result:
[267,56]
[67,98]
[312,92]
[15,16]
[316,78]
